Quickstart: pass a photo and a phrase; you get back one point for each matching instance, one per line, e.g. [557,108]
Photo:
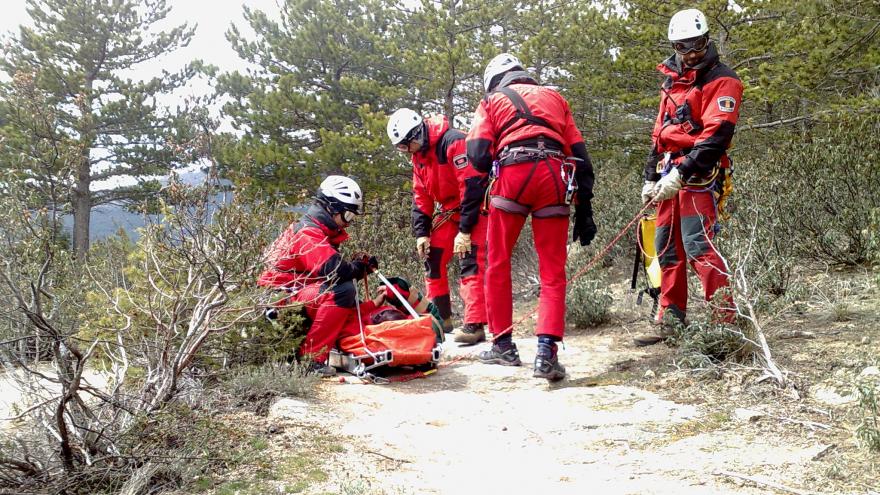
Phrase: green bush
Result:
[705,344]
[264,341]
[386,233]
[811,194]
[256,386]
[868,431]
[588,302]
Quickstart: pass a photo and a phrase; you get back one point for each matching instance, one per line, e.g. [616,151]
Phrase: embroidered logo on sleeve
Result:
[460,161]
[726,104]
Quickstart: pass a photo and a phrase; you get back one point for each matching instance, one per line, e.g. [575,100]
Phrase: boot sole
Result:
[467,343]
[550,377]
[501,362]
[648,342]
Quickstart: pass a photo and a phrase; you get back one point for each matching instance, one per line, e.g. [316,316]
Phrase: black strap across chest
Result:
[522,112]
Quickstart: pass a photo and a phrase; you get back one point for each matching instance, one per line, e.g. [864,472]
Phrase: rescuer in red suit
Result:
[688,171]
[446,216]
[525,136]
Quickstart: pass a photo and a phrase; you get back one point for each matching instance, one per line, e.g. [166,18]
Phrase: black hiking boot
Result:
[471,334]
[670,322]
[547,363]
[503,356]
[548,368]
[448,327]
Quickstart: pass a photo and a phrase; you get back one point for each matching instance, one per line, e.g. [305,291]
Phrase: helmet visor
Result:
[414,135]
[698,44]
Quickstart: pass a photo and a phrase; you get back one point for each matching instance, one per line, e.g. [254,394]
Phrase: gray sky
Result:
[213,18]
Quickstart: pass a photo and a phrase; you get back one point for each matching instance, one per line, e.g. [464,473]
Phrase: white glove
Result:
[649,190]
[423,246]
[668,186]
[462,244]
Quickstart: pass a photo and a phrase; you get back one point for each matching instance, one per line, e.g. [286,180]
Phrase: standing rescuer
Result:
[525,136]
[688,169]
[305,262]
[446,217]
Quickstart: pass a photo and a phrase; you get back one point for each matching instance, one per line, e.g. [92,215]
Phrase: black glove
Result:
[373,264]
[584,227]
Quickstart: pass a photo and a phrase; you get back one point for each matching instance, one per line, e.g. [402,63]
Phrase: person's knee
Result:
[345,294]
[434,263]
[664,246]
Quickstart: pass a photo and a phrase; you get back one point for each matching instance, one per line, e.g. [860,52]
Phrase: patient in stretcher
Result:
[394,309]
[397,328]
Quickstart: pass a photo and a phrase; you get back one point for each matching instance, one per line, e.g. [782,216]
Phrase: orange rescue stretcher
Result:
[388,344]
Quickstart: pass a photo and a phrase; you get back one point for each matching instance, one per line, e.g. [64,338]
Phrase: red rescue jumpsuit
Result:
[305,261]
[526,184]
[441,176]
[699,108]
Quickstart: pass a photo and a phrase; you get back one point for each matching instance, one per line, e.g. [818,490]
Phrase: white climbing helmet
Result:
[401,123]
[686,24]
[342,195]
[499,65]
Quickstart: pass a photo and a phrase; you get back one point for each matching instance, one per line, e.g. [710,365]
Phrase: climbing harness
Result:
[442,217]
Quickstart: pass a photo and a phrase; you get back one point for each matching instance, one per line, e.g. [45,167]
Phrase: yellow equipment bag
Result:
[646,260]
[647,233]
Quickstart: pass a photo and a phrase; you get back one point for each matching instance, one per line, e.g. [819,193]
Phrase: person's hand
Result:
[668,186]
[584,228]
[462,244]
[380,298]
[372,264]
[649,190]
[423,246]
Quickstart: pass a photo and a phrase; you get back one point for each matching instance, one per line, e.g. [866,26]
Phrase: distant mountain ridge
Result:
[107,220]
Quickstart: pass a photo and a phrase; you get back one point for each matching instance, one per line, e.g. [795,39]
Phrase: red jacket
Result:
[441,175]
[307,252]
[699,108]
[498,123]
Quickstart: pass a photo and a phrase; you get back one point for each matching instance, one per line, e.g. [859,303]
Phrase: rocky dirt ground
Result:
[625,421]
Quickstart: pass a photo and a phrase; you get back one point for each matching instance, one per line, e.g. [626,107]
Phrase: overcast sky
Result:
[212,17]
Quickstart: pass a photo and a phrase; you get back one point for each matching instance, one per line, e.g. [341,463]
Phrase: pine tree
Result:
[75,56]
[446,45]
[327,76]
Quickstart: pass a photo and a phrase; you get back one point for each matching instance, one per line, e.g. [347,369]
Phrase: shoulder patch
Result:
[460,161]
[726,104]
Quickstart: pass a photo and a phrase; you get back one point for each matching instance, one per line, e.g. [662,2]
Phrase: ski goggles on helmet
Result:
[414,135]
[698,44]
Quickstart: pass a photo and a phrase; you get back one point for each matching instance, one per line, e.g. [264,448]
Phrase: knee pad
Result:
[344,294]
[664,245]
[696,240]
[469,264]
[432,264]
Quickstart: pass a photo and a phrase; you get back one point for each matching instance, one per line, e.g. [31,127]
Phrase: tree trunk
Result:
[449,100]
[82,209]
[82,196]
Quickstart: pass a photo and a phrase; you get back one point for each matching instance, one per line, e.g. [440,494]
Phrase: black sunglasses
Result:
[684,47]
